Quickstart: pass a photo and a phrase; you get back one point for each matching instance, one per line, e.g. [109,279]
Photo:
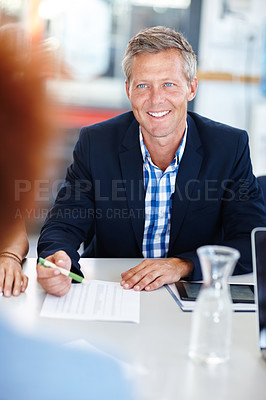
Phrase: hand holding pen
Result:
[52,279]
[72,275]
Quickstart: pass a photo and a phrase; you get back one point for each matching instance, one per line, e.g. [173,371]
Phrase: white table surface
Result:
[154,350]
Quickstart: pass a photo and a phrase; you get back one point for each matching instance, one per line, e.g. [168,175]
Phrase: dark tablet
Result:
[241,293]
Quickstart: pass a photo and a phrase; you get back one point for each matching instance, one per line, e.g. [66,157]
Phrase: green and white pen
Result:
[63,271]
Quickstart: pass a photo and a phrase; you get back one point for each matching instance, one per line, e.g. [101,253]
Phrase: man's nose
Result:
[156,95]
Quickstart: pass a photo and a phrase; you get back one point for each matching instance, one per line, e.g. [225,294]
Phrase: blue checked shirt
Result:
[159,187]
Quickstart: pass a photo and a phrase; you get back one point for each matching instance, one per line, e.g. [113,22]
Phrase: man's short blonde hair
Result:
[156,39]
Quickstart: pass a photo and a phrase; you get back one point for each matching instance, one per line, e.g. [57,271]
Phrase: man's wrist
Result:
[187,267]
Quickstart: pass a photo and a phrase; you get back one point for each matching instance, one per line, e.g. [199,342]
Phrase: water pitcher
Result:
[210,339]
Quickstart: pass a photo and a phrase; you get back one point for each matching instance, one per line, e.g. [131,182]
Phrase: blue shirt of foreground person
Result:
[156,182]
[32,369]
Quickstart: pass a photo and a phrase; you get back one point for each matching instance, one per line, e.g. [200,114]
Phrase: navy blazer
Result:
[217,199]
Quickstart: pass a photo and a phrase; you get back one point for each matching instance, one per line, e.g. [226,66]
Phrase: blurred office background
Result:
[83,43]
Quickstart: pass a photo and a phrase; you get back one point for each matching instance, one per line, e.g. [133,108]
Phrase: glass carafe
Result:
[210,339]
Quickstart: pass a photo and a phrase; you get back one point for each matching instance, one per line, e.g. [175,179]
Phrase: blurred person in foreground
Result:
[14,116]
[12,252]
[31,369]
[155,183]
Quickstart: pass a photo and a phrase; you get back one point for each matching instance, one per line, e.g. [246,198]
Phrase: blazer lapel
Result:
[186,177]
[131,163]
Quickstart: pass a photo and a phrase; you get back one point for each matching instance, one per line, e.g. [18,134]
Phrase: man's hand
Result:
[12,279]
[51,279]
[151,274]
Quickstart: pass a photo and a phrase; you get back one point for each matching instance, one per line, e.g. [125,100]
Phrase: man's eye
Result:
[142,85]
[169,84]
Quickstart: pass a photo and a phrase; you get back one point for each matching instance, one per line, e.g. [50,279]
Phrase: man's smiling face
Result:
[158,92]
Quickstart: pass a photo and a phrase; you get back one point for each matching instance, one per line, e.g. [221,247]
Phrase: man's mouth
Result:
[158,114]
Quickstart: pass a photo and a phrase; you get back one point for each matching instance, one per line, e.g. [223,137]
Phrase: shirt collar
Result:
[179,152]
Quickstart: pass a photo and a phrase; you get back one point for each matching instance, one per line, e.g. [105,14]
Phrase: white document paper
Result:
[99,300]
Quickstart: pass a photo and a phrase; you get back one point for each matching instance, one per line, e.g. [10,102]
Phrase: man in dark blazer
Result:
[158,182]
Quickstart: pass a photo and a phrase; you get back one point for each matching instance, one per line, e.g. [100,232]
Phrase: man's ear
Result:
[193,89]
[127,89]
